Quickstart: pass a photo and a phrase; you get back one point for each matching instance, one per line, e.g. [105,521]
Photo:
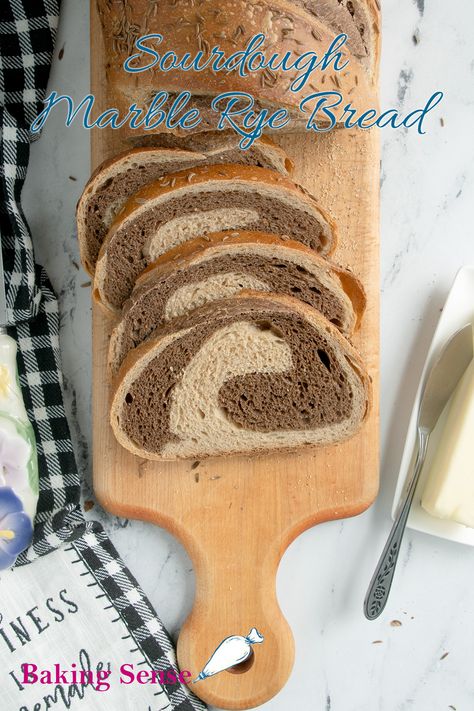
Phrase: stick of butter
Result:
[449,492]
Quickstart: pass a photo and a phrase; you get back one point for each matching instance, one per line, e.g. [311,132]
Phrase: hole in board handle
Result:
[243,666]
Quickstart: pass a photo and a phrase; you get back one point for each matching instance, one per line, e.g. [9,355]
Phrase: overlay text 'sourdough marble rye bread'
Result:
[118,178]
[296,26]
[191,203]
[242,375]
[222,265]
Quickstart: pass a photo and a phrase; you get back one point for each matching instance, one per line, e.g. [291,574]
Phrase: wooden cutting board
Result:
[236,516]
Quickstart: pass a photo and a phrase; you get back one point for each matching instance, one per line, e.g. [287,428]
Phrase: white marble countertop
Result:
[427,234]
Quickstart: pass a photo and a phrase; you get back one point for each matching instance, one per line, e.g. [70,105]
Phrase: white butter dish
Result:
[457,312]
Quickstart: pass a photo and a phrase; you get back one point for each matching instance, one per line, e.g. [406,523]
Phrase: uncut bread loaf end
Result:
[118,178]
[248,374]
[295,27]
[182,206]
[222,265]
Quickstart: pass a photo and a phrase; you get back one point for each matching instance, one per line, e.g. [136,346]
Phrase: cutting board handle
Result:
[235,592]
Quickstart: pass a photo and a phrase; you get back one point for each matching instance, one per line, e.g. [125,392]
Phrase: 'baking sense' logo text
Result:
[99,679]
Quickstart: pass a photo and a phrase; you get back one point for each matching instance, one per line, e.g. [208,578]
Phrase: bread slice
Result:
[248,374]
[223,147]
[118,178]
[299,27]
[191,203]
[223,264]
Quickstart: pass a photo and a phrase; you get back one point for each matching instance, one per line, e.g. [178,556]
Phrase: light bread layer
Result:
[219,286]
[188,227]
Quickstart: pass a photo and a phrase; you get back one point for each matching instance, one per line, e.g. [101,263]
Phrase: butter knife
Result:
[440,384]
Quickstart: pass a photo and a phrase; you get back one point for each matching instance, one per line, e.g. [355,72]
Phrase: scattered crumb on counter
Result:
[213,478]
[196,477]
[61,52]
[377,641]
[85,285]
[443,656]
[442,122]
[71,177]
[75,264]
[88,505]
[395,623]
[195,465]
[142,466]
[416,37]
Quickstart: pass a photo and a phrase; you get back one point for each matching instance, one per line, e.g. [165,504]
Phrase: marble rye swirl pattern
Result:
[222,265]
[192,203]
[117,179]
[244,375]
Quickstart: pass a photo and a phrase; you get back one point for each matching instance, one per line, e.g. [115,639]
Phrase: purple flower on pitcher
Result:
[16,529]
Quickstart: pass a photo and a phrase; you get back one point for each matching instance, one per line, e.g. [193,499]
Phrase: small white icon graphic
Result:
[231,651]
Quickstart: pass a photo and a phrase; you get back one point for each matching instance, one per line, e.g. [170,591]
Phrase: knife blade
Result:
[444,376]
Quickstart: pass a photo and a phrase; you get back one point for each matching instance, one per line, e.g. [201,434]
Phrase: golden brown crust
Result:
[194,27]
[202,174]
[167,334]
[181,256]
[354,289]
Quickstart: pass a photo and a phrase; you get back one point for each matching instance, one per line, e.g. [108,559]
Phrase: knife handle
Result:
[379,588]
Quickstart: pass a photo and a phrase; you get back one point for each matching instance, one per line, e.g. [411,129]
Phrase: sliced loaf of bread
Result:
[247,374]
[118,178]
[192,203]
[194,27]
[224,264]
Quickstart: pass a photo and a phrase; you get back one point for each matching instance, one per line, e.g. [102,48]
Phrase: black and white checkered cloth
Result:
[27,34]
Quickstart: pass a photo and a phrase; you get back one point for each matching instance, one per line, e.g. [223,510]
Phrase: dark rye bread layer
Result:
[253,260]
[323,397]
[117,179]
[279,204]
